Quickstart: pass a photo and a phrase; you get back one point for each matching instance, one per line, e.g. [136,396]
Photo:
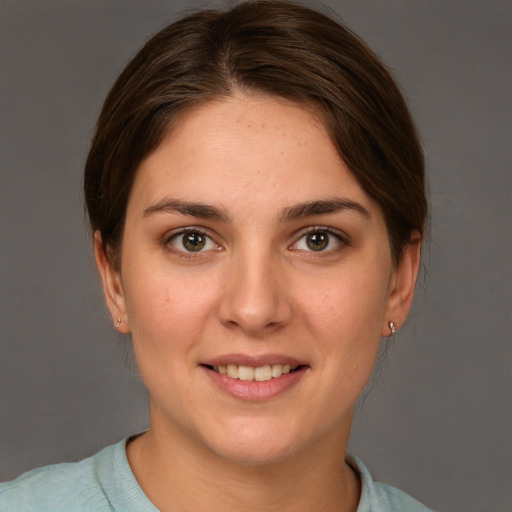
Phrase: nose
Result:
[254,298]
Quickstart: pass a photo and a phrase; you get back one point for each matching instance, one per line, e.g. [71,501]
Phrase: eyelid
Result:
[175,233]
[341,237]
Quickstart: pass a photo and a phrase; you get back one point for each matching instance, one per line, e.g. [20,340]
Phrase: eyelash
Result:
[167,242]
[341,239]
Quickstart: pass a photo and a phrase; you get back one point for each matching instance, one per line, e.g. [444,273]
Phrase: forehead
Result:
[247,151]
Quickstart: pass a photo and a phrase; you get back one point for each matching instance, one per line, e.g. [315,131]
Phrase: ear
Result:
[112,286]
[402,285]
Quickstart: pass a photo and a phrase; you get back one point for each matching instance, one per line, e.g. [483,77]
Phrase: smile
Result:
[258,373]
[255,379]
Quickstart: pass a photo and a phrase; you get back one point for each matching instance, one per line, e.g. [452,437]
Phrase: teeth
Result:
[232,371]
[262,373]
[277,370]
[245,373]
[258,374]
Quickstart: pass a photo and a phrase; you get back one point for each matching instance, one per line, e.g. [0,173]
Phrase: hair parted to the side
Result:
[260,47]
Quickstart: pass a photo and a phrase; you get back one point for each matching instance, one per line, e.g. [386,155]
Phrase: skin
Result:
[256,288]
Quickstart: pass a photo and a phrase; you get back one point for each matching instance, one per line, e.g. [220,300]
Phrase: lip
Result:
[254,391]
[254,361]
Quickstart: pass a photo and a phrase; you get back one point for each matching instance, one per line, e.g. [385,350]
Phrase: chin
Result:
[261,453]
[256,444]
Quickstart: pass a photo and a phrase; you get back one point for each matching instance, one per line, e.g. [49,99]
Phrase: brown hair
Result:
[271,47]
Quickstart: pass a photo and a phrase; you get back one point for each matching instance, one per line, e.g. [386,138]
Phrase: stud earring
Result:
[118,323]
[392,327]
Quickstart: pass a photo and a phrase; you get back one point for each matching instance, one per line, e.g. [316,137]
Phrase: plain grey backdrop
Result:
[438,421]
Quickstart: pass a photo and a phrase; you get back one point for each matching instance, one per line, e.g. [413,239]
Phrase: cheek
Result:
[346,313]
[168,311]
[350,303]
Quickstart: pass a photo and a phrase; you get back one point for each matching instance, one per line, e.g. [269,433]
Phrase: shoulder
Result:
[60,487]
[379,497]
[397,500]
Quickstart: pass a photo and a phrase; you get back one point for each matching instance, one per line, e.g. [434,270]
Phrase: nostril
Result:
[254,302]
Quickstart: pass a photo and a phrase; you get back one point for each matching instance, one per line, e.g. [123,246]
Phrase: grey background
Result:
[438,421]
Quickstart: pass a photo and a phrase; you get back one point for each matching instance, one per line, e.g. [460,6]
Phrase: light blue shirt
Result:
[105,483]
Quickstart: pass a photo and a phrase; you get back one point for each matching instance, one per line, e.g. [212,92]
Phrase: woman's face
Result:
[250,249]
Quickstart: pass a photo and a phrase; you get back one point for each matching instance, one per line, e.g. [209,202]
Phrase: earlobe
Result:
[112,286]
[403,285]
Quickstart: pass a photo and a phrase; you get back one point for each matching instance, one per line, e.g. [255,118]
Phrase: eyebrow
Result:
[322,207]
[200,210]
[295,212]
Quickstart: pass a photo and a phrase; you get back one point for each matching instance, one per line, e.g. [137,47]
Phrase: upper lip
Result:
[254,361]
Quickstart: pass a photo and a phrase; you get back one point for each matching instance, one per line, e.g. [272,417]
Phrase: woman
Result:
[256,191]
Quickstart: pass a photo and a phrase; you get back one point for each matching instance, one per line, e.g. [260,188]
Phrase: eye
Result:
[318,240]
[192,241]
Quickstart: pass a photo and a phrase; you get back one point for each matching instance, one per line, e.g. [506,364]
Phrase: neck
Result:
[177,474]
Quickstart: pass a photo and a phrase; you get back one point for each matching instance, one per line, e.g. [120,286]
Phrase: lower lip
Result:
[255,391]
